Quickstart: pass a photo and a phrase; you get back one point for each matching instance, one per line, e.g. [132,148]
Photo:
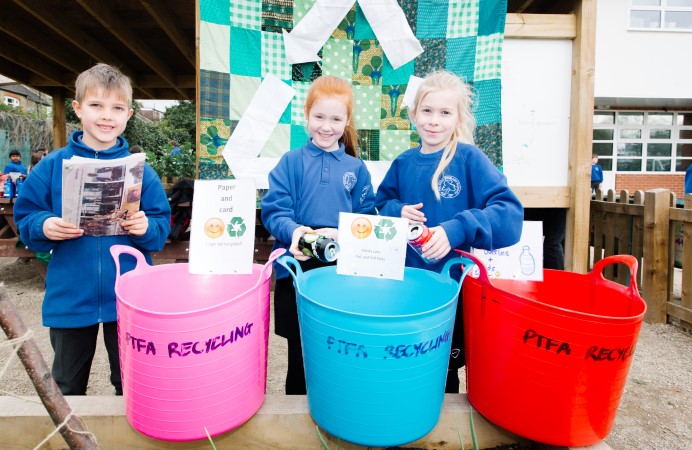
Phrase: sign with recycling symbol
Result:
[236,227]
[385,229]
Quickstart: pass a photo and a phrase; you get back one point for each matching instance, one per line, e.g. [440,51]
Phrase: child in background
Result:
[36,156]
[15,164]
[308,189]
[74,309]
[596,174]
[452,187]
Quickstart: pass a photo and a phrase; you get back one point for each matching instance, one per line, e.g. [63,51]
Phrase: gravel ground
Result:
[654,411]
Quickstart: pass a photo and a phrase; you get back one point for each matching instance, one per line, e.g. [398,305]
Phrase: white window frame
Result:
[663,8]
[12,102]
[645,140]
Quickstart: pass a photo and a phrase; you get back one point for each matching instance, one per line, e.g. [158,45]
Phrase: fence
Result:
[644,226]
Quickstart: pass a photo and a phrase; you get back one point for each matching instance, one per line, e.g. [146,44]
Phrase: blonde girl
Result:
[451,186]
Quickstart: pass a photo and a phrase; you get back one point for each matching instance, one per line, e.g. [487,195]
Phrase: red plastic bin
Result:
[549,360]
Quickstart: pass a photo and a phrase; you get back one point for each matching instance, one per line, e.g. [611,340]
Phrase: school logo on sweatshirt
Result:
[350,181]
[449,186]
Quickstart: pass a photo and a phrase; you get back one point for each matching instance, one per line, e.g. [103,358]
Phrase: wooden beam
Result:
[14,71]
[154,81]
[580,138]
[283,422]
[41,42]
[541,26]
[166,21]
[51,17]
[543,197]
[27,58]
[102,13]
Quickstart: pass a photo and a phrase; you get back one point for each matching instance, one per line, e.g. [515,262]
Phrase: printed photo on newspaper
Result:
[97,195]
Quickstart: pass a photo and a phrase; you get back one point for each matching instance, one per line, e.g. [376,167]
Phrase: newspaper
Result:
[97,195]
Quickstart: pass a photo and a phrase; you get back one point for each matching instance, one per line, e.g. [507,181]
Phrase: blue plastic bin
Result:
[376,350]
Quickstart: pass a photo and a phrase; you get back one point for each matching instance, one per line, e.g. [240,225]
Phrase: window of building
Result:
[661,15]
[12,101]
[641,141]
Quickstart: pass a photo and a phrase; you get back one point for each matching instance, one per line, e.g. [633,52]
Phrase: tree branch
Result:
[74,432]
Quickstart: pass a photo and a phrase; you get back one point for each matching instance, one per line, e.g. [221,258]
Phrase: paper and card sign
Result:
[372,246]
[222,236]
[521,261]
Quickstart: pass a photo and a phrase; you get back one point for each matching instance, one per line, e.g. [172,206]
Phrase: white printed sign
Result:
[372,246]
[521,261]
[222,236]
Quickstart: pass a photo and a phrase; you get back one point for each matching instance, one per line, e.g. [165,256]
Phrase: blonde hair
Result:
[108,78]
[447,81]
[330,86]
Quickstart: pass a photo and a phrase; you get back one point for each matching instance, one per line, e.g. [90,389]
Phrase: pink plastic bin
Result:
[193,348]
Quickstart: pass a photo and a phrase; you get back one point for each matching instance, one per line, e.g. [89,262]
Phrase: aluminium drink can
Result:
[320,247]
[418,235]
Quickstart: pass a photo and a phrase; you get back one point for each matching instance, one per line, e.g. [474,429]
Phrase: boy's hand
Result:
[57,229]
[438,246]
[136,223]
[297,233]
[413,213]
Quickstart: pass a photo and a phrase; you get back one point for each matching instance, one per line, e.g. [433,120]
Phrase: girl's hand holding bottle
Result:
[295,251]
[438,246]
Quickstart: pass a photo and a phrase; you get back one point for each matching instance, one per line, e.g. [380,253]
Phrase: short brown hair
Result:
[108,78]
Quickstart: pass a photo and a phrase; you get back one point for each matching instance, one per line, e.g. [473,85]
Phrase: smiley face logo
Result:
[214,228]
[361,228]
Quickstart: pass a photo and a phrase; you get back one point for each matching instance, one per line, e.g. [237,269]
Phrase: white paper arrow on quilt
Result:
[388,22]
[386,19]
[307,38]
[254,129]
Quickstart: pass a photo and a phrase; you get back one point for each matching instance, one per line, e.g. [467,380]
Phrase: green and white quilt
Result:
[242,43]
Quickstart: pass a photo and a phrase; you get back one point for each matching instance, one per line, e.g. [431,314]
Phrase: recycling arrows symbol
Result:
[236,227]
[385,230]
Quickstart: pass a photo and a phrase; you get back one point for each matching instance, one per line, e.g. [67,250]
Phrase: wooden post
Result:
[686,294]
[655,284]
[59,118]
[580,137]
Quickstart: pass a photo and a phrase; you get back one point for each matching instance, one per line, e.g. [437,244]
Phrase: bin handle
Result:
[466,262]
[292,265]
[628,260]
[483,273]
[266,272]
[117,250]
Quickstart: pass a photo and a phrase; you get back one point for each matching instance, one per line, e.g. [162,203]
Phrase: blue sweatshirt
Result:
[15,167]
[310,186]
[476,207]
[81,273]
[596,173]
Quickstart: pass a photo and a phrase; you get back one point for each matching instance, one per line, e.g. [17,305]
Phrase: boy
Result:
[81,274]
[596,174]
[15,164]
